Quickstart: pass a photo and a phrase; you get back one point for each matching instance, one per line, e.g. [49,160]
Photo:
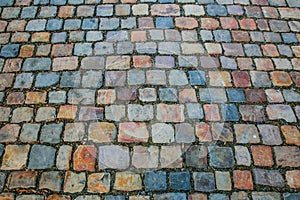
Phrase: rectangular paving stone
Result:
[265,177]
[35,64]
[22,179]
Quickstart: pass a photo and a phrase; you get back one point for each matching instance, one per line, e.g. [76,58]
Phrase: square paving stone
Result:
[180,180]
[41,157]
[29,132]
[204,181]
[221,157]
[155,181]
[51,180]
[51,133]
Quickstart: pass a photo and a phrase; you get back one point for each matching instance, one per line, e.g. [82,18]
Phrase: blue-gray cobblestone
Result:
[168,94]
[222,36]
[128,23]
[29,133]
[155,181]
[180,181]
[59,37]
[109,23]
[47,79]
[216,10]
[92,36]
[36,25]
[125,48]
[136,77]
[29,12]
[188,61]
[115,36]
[92,79]
[252,50]
[51,133]
[194,111]
[24,80]
[35,64]
[41,157]
[197,77]
[90,24]
[229,112]
[41,2]
[105,10]
[70,79]
[10,50]
[54,24]
[221,157]
[57,97]
[83,49]
[58,2]
[72,24]
[6,2]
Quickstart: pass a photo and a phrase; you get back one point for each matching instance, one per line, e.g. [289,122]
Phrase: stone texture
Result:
[41,157]
[84,158]
[145,158]
[133,132]
[127,181]
[15,157]
[99,183]
[119,161]
[265,177]
[74,182]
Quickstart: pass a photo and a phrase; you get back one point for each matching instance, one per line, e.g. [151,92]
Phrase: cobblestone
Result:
[149,99]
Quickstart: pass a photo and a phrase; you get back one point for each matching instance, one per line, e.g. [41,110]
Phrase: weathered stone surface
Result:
[41,157]
[246,133]
[22,179]
[140,113]
[126,181]
[99,183]
[74,132]
[51,133]
[280,111]
[162,133]
[287,156]
[145,157]
[171,156]
[242,156]
[204,181]
[165,10]
[221,157]
[102,132]
[9,133]
[292,178]
[155,180]
[271,178]
[84,158]
[170,113]
[133,132]
[120,160]
[196,156]
[223,181]
[63,157]
[15,157]
[51,180]
[74,182]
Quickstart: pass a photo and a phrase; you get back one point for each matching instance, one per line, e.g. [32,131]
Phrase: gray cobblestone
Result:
[36,25]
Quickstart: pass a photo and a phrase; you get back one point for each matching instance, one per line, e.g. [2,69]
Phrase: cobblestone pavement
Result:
[149,99]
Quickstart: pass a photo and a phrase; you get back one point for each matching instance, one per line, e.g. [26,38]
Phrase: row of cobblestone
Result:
[164,113]
[157,133]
